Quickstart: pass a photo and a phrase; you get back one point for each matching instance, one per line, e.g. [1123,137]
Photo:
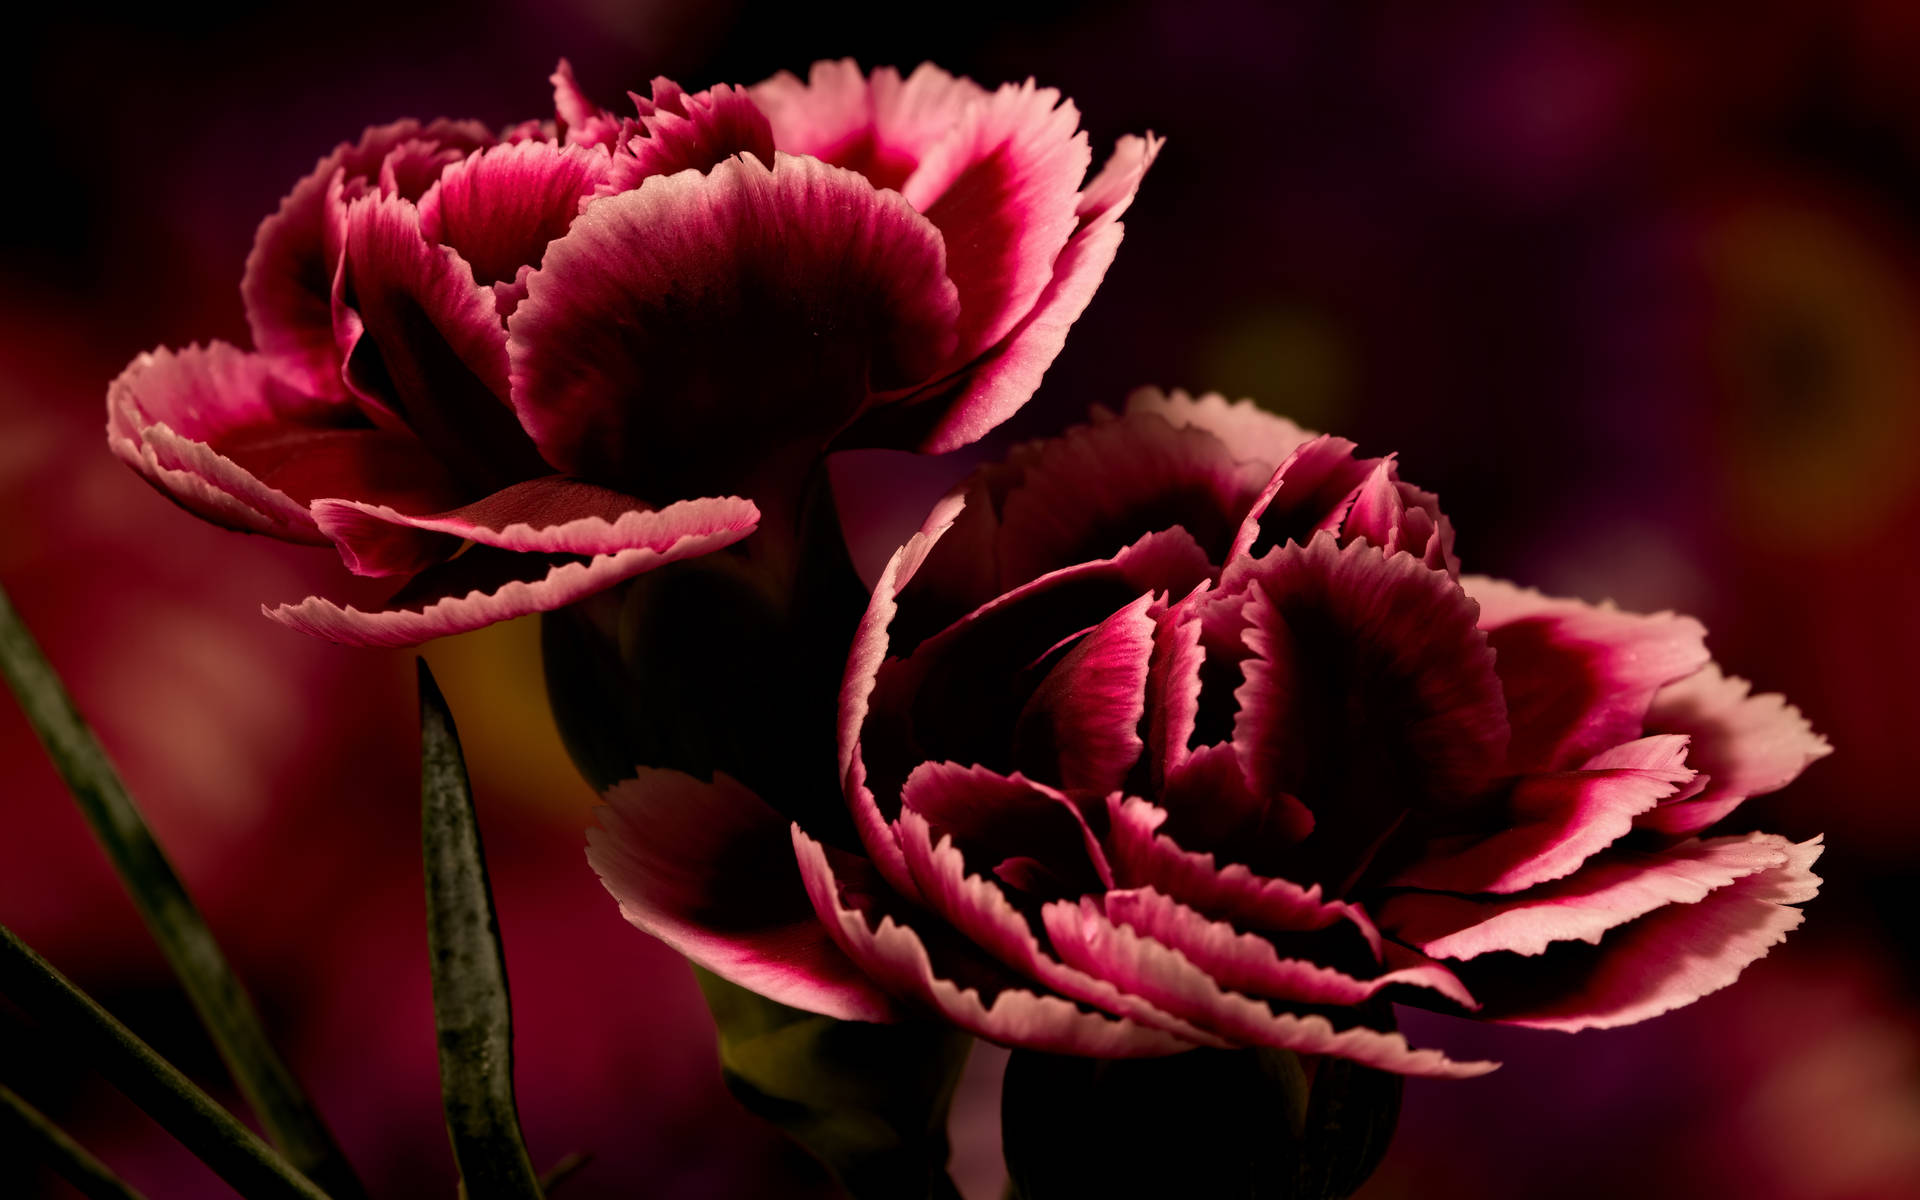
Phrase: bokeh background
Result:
[1635,287]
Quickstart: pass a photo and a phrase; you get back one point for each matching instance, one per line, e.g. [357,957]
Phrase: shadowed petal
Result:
[1662,961]
[1160,974]
[708,868]
[486,584]
[791,291]
[1579,677]
[1554,822]
[1613,888]
[1251,433]
[897,957]
[1081,725]
[1007,819]
[713,126]
[1745,745]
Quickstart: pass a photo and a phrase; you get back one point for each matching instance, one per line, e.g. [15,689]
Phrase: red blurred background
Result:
[1636,288]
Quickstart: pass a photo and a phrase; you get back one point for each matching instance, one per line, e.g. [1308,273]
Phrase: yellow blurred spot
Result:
[1291,359]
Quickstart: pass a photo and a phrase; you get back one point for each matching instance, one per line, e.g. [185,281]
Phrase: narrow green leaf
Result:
[41,1139]
[470,1003]
[224,1008]
[870,1101]
[229,1148]
[562,1171]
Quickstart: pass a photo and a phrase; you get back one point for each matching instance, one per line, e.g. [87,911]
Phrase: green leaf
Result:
[224,1008]
[471,1009]
[229,1148]
[1241,1123]
[870,1101]
[41,1139]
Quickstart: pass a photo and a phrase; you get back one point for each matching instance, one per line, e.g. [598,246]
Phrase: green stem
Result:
[224,1008]
[231,1149]
[50,1144]
[471,1008]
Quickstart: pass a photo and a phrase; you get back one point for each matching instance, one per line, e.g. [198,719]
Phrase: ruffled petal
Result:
[1745,745]
[1664,960]
[1309,493]
[880,127]
[551,515]
[1031,836]
[711,127]
[581,121]
[430,346]
[500,207]
[1211,806]
[1246,962]
[1080,727]
[487,584]
[1086,939]
[1613,888]
[708,868]
[220,432]
[897,957]
[1003,189]
[1555,822]
[1251,433]
[792,290]
[1579,677]
[981,912]
[1144,857]
[287,287]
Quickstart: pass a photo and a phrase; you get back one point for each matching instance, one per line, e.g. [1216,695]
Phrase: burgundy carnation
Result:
[518,368]
[1183,730]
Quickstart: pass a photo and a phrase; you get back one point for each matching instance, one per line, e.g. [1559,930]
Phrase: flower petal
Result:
[1556,821]
[1745,745]
[1251,433]
[713,126]
[1086,939]
[1249,963]
[664,310]
[486,584]
[219,431]
[1080,727]
[997,819]
[550,515]
[582,122]
[1612,888]
[708,868]
[1002,186]
[1579,677]
[897,957]
[880,127]
[287,287]
[1660,962]
[432,348]
[500,207]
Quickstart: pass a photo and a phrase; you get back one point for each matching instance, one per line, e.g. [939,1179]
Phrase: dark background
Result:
[1633,287]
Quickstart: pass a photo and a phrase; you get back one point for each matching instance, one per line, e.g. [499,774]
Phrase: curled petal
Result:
[500,207]
[1246,962]
[791,290]
[1003,189]
[896,956]
[1556,821]
[486,584]
[1579,677]
[551,515]
[880,127]
[1667,959]
[708,868]
[1310,492]
[1745,745]
[1007,818]
[583,122]
[711,127]
[1081,725]
[289,274]
[1613,888]
[984,915]
[1086,939]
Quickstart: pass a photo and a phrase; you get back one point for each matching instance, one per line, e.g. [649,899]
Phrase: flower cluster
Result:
[516,368]
[1184,729]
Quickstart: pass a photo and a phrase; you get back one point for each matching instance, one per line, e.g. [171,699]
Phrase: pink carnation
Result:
[580,349]
[1183,729]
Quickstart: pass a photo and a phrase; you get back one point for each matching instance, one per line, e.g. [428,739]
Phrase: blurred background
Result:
[1635,287]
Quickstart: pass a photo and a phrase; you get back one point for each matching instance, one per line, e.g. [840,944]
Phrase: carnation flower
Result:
[514,369]
[1184,729]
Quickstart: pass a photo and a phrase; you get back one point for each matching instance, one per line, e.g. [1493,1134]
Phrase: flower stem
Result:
[49,1143]
[229,1148]
[176,923]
